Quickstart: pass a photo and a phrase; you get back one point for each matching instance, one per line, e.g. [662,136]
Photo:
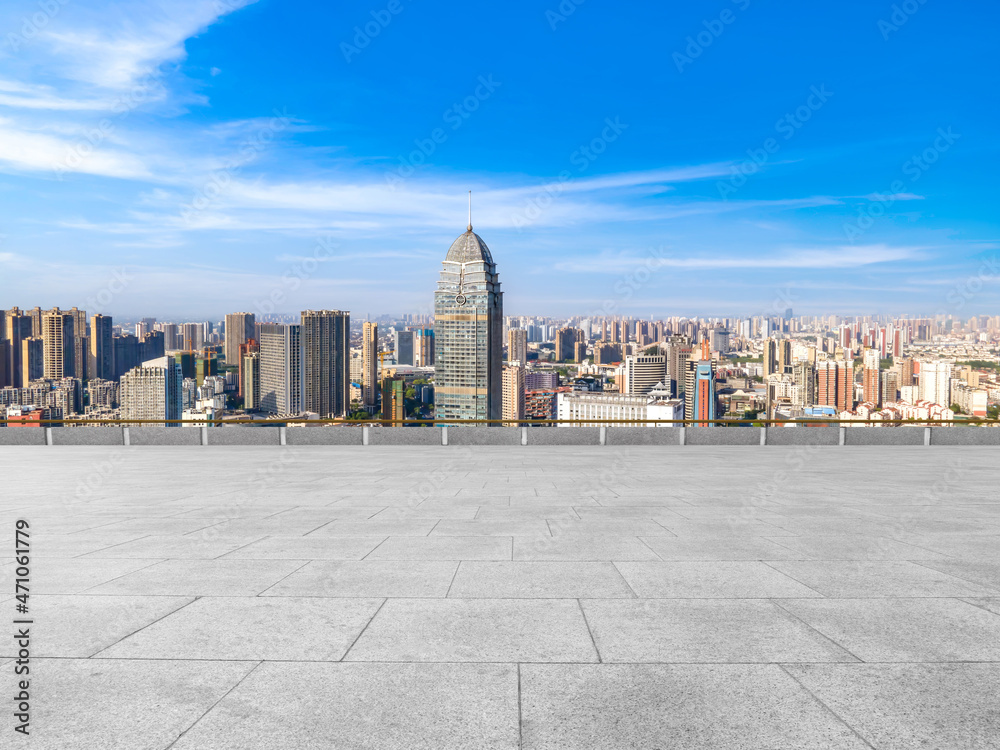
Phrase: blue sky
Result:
[184,158]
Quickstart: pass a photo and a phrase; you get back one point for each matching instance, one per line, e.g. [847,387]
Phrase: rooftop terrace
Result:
[591,596]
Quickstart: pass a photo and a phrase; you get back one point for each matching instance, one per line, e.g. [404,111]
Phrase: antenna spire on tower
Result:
[470,210]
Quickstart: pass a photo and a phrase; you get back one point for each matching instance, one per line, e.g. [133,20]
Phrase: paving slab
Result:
[906,706]
[846,547]
[68,575]
[717,579]
[704,630]
[124,705]
[307,548]
[408,527]
[583,548]
[366,707]
[476,630]
[503,527]
[80,626]
[716,548]
[682,707]
[608,527]
[443,548]
[195,547]
[252,628]
[539,580]
[368,578]
[201,578]
[897,630]
[875,578]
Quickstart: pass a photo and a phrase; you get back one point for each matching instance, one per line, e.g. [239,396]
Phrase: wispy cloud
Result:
[804,258]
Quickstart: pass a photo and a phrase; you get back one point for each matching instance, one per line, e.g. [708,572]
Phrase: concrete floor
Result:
[508,597]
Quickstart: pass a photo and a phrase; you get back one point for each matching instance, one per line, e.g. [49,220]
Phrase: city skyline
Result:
[151,161]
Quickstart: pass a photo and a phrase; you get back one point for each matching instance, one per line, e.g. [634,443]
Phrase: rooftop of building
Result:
[469,248]
[506,597]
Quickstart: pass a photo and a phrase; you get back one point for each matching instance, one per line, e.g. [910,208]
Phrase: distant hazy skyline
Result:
[184,158]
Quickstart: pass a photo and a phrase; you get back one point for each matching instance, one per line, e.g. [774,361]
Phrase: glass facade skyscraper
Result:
[468,333]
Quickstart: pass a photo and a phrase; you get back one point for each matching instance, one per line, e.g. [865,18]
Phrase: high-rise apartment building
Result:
[18,328]
[32,359]
[172,338]
[700,401]
[639,374]
[35,314]
[784,355]
[871,377]
[890,386]
[513,392]
[250,346]
[81,347]
[770,357]
[566,338]
[152,391]
[935,382]
[804,376]
[424,347]
[280,368]
[580,351]
[404,345]
[835,384]
[60,344]
[517,346]
[126,353]
[326,352]
[102,351]
[679,355]
[369,365]
[250,378]
[192,337]
[468,330]
[240,328]
[605,353]
[905,365]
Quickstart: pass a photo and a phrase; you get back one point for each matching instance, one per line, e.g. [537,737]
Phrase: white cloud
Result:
[805,258]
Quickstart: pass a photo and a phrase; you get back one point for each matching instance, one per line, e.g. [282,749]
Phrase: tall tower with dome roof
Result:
[468,332]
